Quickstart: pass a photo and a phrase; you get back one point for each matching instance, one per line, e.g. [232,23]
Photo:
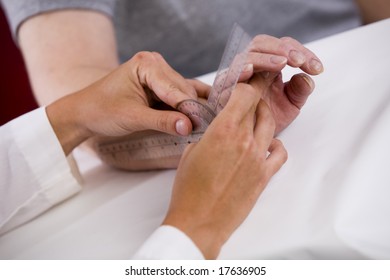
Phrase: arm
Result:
[67,50]
[57,65]
[373,10]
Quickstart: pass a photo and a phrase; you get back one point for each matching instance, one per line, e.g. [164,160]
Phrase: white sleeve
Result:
[34,172]
[168,243]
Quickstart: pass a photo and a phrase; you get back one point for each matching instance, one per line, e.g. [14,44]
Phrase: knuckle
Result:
[170,93]
[247,143]
[283,151]
[261,38]
[146,56]
[156,55]
[172,88]
[143,55]
[162,123]
[286,39]
[283,155]
[288,43]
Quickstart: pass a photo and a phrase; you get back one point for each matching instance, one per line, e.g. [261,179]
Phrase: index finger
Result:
[167,84]
[242,105]
[297,55]
[312,64]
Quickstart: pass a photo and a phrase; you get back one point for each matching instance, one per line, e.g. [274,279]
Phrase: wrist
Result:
[64,118]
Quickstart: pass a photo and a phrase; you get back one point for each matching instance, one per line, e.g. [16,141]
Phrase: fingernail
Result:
[316,65]
[278,60]
[297,57]
[248,68]
[181,128]
[308,81]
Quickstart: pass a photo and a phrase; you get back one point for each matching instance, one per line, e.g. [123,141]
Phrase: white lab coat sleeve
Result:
[34,172]
[168,243]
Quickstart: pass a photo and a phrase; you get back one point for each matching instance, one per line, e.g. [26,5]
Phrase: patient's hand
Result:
[270,55]
[286,99]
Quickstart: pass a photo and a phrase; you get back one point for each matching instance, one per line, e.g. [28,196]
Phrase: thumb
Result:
[298,89]
[171,122]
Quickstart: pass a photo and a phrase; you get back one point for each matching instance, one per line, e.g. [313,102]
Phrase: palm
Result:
[286,99]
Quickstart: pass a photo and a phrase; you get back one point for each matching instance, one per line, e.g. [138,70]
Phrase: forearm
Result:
[67,50]
[373,10]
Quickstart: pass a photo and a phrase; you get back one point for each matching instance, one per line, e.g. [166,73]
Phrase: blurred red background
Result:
[15,93]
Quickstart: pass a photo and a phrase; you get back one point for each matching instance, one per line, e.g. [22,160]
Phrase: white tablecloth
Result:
[331,199]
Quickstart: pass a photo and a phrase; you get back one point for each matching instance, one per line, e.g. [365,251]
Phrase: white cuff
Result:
[169,243]
[40,171]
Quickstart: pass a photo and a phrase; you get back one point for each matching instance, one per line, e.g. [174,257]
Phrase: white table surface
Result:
[331,199]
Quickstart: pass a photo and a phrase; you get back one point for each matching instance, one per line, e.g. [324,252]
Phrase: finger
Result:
[170,122]
[187,151]
[264,128]
[282,47]
[225,79]
[277,157]
[246,73]
[242,103]
[169,86]
[201,88]
[226,90]
[262,80]
[298,89]
[238,71]
[295,52]
[312,64]
[225,82]
[266,62]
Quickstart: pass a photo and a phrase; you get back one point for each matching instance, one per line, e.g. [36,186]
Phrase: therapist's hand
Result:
[121,102]
[219,179]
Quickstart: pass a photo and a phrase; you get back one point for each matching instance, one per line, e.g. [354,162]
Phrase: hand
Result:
[269,56]
[286,99]
[119,103]
[220,178]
